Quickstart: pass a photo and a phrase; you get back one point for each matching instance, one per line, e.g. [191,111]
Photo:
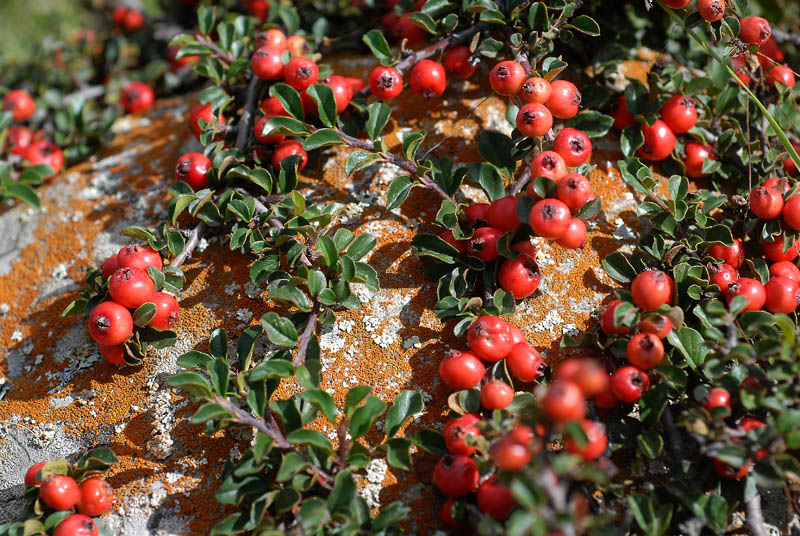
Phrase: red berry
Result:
[575,235]
[573,145]
[780,74]
[520,276]
[138,256]
[76,525]
[717,397]
[136,97]
[658,325]
[446,517]
[457,61]
[755,30]
[110,324]
[534,120]
[461,370]
[696,154]
[192,168]
[130,287]
[288,148]
[711,10]
[494,499]
[564,401]
[267,64]
[548,164]
[19,138]
[133,20]
[118,15]
[510,455]
[778,183]
[507,78]
[455,476]
[645,351]
[44,152]
[113,354]
[409,30]
[96,497]
[588,374]
[766,203]
[679,113]
[502,214]
[460,245]
[32,476]
[524,435]
[428,79]
[606,399]
[300,73]
[490,338]
[524,362]
[574,190]
[167,311]
[204,112]
[728,471]
[549,218]
[652,289]
[496,394]
[355,84]
[385,82]
[517,336]
[109,266]
[272,38]
[628,383]
[659,141]
[483,243]
[456,431]
[478,215]
[258,131]
[785,269]
[342,92]
[622,116]
[59,492]
[782,295]
[272,106]
[536,90]
[731,255]
[596,441]
[20,104]
[565,99]
[791,212]
[741,69]
[607,320]
[752,289]
[773,249]
[770,50]
[677,4]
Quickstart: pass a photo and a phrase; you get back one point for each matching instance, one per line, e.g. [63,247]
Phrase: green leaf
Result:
[326,103]
[690,344]
[192,382]
[430,441]
[327,247]
[426,245]
[284,125]
[343,492]
[289,98]
[218,343]
[279,330]
[288,294]
[593,123]
[379,114]
[377,43]
[210,411]
[488,178]
[22,192]
[397,452]
[406,404]
[585,24]
[411,142]
[359,159]
[362,245]
[303,436]
[263,268]
[322,138]
[322,401]
[618,267]
[272,368]
[144,314]
[390,515]
[354,398]
[139,233]
[365,416]
[219,371]
[194,359]
[424,21]
[398,191]
[631,139]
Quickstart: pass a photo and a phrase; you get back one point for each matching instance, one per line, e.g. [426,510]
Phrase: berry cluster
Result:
[32,147]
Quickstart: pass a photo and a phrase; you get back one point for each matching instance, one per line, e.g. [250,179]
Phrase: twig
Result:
[191,244]
[221,54]
[755,520]
[785,37]
[246,121]
[524,177]
[673,436]
[305,337]
[88,92]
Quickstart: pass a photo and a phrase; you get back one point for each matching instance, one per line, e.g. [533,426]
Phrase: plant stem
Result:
[755,520]
[305,337]
[191,244]
[221,54]
[246,121]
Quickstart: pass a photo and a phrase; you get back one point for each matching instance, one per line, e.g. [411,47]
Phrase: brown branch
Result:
[191,244]
[524,177]
[305,337]
[755,520]
[221,54]
[246,120]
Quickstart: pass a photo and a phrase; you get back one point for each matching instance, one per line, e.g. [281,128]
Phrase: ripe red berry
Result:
[272,106]
[517,336]
[110,324]
[272,38]
[606,399]
[385,82]
[524,362]
[409,30]
[300,73]
[136,97]
[130,287]
[59,492]
[536,90]
[588,374]
[622,116]
[782,295]
[496,394]
[20,104]
[204,112]
[548,164]
[428,79]
[32,476]
[575,235]
[118,15]
[752,289]
[549,218]
[766,203]
[728,471]
[113,354]
[460,245]
[731,255]
[695,155]
[679,113]
[565,99]
[461,370]
[138,256]
[167,311]
[478,215]
[483,243]
[288,148]
[652,289]
[96,497]
[659,141]
[456,431]
[741,69]
[267,64]
[711,10]
[754,30]
[192,168]
[717,397]
[788,165]
[785,269]
[658,325]
[76,525]
[628,384]
[355,84]
[773,249]
[564,401]
[455,476]
[494,499]
[645,351]
[770,50]
[780,74]
[520,276]
[446,517]
[781,184]
[534,120]
[596,441]
[574,190]
[791,212]
[44,152]
[133,20]
[607,320]
[524,435]
[573,145]
[507,78]
[19,138]
[457,60]
[502,214]
[490,338]
[342,92]
[509,455]
[258,131]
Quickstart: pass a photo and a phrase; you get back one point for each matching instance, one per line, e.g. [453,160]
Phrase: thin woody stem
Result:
[191,245]
[221,54]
